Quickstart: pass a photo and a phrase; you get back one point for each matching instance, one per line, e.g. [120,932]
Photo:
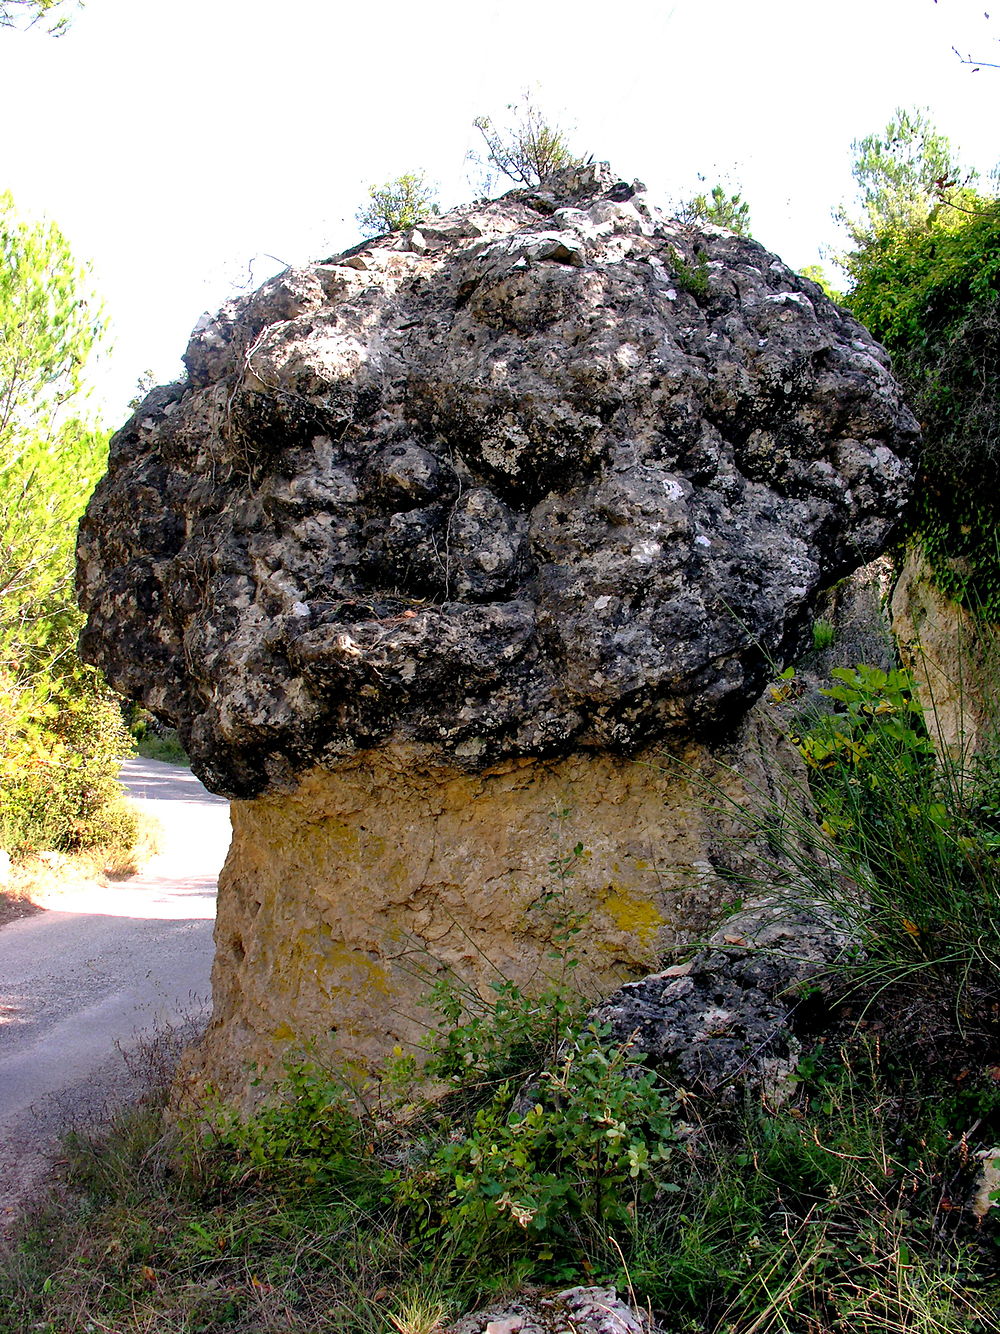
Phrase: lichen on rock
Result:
[512,485]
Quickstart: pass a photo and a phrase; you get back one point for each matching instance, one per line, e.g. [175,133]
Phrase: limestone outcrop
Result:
[953,658]
[344,901]
[436,547]
[549,473]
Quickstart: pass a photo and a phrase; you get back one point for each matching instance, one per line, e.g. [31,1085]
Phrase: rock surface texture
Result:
[725,1022]
[575,1311]
[953,658]
[550,473]
[437,545]
[342,901]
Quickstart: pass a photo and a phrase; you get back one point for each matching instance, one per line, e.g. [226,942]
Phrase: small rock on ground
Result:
[585,1310]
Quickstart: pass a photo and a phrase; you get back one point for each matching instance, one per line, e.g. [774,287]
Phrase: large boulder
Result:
[452,534]
[553,473]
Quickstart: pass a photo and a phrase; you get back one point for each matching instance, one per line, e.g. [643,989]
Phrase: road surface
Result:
[102,965]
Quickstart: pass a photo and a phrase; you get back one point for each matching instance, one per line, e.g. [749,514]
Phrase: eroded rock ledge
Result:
[344,901]
[551,473]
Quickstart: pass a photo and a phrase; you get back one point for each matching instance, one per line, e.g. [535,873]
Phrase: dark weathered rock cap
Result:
[546,472]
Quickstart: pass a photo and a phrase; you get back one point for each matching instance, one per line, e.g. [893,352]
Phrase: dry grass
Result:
[38,877]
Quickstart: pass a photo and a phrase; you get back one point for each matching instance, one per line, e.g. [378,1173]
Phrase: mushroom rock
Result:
[439,545]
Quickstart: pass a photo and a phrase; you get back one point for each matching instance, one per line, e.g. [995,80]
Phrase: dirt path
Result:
[102,965]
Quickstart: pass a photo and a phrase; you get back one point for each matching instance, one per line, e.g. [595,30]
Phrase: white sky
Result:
[182,144]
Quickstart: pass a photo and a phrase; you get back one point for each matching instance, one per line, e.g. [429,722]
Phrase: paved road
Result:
[103,964]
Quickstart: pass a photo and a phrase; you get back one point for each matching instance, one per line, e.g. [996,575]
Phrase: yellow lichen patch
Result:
[373,849]
[355,971]
[340,839]
[634,915]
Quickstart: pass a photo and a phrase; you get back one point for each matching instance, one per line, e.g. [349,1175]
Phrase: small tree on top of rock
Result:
[398,204]
[720,208]
[528,148]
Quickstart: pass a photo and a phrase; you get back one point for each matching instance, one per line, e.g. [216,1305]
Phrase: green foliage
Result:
[878,719]
[926,281]
[398,204]
[913,289]
[51,323]
[959,533]
[164,746]
[831,1212]
[693,278]
[719,208]
[592,1141]
[903,174]
[63,739]
[913,862]
[154,740]
[60,730]
[308,1137]
[528,148]
[933,298]
[818,275]
[823,635]
[838,1208]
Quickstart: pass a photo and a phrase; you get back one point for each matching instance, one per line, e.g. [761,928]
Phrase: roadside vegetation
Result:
[61,729]
[154,740]
[852,1199]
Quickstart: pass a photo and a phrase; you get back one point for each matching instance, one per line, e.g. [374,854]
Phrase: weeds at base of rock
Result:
[552,1160]
[842,1212]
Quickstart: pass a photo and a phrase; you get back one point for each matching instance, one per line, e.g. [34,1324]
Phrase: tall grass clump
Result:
[897,838]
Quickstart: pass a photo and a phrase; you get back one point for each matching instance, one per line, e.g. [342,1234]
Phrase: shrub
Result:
[908,846]
[569,1159]
[63,744]
[932,296]
[528,148]
[397,204]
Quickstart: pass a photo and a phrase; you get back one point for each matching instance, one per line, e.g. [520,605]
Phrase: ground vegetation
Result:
[850,1198]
